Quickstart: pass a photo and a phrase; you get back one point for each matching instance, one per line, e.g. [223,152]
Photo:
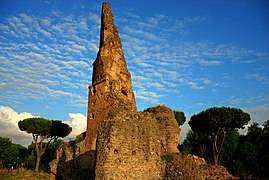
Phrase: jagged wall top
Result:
[109,32]
[110,65]
[110,50]
[111,90]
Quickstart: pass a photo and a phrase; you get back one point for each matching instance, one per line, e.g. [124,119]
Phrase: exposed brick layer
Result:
[131,145]
[111,87]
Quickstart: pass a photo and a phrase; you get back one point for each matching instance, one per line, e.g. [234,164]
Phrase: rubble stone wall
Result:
[111,87]
[72,161]
[131,146]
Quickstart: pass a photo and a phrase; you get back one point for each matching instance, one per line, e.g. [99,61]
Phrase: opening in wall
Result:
[124,92]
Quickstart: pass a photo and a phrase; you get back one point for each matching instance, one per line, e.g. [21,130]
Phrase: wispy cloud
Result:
[233,100]
[43,63]
[259,113]
[141,33]
[151,97]
[195,85]
[177,60]
[208,63]
[51,56]
[265,99]
[256,76]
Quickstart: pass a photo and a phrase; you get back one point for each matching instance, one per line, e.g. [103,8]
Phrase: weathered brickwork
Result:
[121,143]
[111,88]
[130,146]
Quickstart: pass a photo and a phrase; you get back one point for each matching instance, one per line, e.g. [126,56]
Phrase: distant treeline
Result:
[15,156]
[245,156]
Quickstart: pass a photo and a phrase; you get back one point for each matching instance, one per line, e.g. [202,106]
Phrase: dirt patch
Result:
[22,173]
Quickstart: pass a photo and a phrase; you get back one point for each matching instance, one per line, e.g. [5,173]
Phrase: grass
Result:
[22,174]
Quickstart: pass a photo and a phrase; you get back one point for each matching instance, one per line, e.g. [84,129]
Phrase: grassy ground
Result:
[22,174]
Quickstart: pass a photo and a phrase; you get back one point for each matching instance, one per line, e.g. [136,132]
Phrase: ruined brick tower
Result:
[120,142]
[111,90]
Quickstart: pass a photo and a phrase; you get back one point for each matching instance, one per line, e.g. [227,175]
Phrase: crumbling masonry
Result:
[120,142]
[111,90]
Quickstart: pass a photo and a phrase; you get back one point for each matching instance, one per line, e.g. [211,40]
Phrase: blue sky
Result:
[187,55]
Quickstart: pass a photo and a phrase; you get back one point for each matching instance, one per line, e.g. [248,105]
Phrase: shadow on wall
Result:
[73,163]
[78,168]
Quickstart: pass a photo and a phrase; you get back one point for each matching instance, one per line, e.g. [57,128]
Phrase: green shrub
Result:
[167,158]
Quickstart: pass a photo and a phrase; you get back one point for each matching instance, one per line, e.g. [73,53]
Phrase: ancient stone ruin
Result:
[130,145]
[120,142]
[111,90]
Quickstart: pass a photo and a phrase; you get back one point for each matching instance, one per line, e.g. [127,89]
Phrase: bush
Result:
[167,158]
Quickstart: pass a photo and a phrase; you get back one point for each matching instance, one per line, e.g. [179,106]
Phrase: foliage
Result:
[253,153]
[245,156]
[10,154]
[200,144]
[36,126]
[180,117]
[57,144]
[30,161]
[48,155]
[229,148]
[196,143]
[167,158]
[216,122]
[43,129]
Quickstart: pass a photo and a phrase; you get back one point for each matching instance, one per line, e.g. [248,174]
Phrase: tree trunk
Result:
[216,160]
[221,145]
[215,154]
[37,161]
[218,148]
[39,152]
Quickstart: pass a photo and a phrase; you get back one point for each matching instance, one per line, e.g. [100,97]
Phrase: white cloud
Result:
[195,85]
[233,100]
[157,85]
[95,18]
[244,130]
[255,76]
[139,78]
[184,129]
[152,22]
[54,59]
[227,76]
[57,28]
[26,18]
[131,14]
[208,63]
[9,119]
[45,33]
[83,24]
[9,124]
[265,99]
[258,114]
[46,21]
[78,122]
[206,81]
[151,97]
[142,34]
[47,64]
